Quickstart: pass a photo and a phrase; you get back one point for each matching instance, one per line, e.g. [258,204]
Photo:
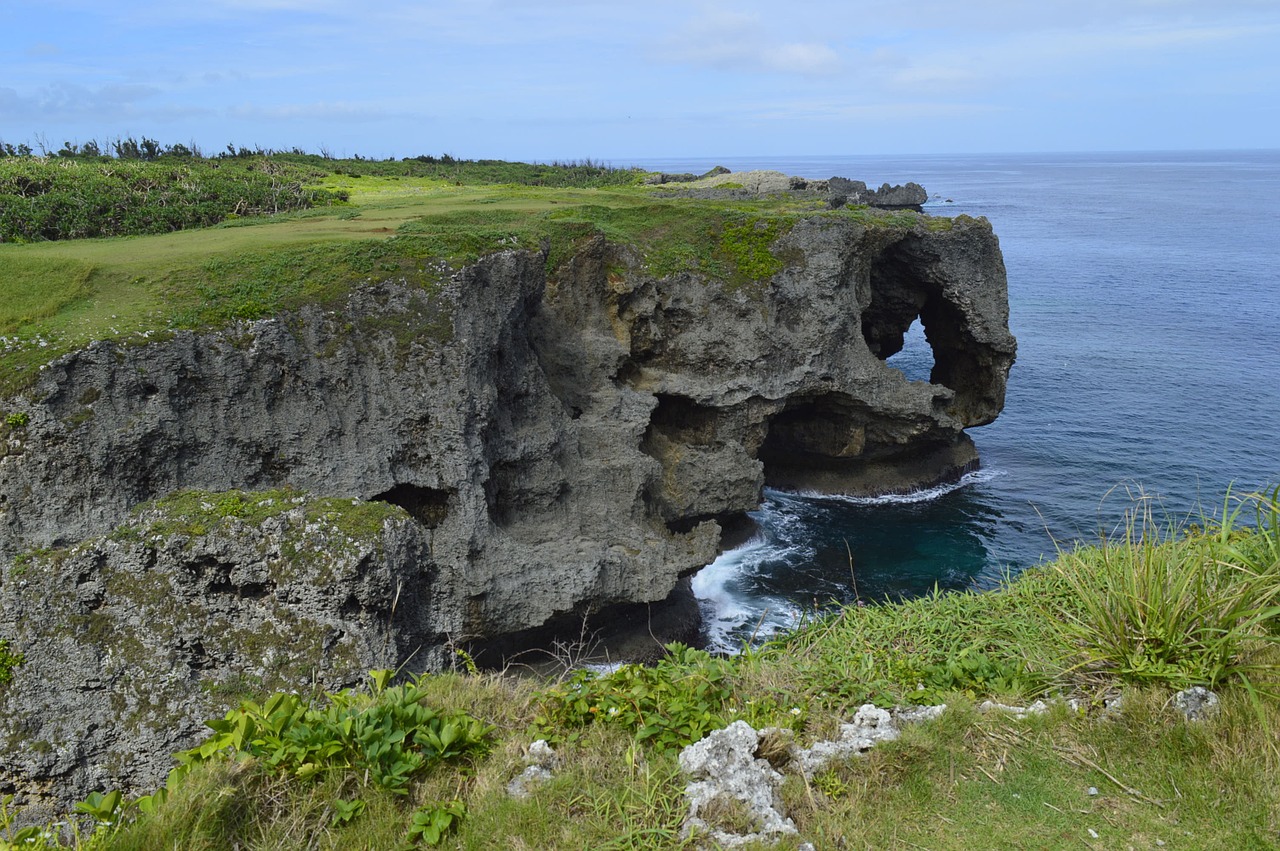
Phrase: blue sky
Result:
[618,81]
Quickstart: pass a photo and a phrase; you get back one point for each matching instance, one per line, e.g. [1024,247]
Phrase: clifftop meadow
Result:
[269,421]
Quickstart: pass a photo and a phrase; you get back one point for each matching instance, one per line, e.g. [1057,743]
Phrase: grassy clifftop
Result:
[323,226]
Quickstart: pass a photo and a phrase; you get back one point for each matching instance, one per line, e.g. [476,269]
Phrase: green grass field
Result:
[60,295]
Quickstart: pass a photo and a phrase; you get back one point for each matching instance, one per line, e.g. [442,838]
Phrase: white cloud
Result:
[801,58]
[836,110]
[736,41]
[62,100]
[1063,54]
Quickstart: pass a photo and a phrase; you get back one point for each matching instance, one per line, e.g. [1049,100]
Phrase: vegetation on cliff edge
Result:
[326,227]
[1128,774]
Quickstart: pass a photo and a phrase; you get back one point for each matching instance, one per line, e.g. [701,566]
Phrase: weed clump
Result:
[1197,609]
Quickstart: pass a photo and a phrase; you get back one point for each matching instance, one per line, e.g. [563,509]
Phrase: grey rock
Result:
[870,726]
[659,178]
[841,191]
[1196,703]
[1039,707]
[560,447]
[134,639]
[918,714]
[724,770]
[540,763]
[564,444]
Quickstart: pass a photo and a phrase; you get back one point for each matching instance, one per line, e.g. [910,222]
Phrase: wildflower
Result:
[795,710]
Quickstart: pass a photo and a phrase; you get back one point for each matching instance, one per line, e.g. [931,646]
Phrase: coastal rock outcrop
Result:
[841,191]
[132,640]
[557,441]
[837,191]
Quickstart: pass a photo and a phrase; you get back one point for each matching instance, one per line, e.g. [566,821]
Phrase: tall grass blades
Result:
[1199,609]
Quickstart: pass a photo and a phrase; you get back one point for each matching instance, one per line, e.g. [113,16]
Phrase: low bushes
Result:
[51,199]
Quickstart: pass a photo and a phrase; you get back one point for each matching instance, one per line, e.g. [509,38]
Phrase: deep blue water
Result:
[1144,291]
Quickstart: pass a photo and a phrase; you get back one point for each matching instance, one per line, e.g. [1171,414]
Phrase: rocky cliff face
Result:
[133,639]
[557,444]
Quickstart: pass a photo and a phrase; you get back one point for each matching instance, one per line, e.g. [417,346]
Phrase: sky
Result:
[622,82]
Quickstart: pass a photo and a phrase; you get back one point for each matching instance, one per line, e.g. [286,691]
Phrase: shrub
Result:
[74,199]
[667,706]
[9,660]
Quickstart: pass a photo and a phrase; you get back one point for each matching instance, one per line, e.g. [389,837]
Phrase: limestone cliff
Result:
[559,441]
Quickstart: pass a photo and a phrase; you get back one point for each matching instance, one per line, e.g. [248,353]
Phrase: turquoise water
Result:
[1144,292]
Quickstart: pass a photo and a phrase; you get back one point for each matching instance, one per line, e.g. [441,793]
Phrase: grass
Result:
[1136,776]
[401,220]
[1201,609]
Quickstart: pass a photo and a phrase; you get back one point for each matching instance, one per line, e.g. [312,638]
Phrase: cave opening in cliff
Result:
[810,435]
[910,324]
[426,505]
[681,420]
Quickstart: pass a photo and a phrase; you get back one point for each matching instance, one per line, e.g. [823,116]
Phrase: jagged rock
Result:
[870,726]
[540,763]
[841,191]
[660,178]
[917,714]
[562,445]
[725,771]
[727,766]
[1196,703]
[566,446]
[133,640]
[1039,707]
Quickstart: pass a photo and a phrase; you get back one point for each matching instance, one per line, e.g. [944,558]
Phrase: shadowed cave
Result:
[426,505]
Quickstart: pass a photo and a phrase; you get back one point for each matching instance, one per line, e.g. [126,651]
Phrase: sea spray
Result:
[813,551]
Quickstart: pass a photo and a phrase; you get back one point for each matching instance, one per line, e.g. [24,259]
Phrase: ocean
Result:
[1144,291]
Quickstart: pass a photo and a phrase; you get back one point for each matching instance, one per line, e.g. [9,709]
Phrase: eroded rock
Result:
[540,763]
[1196,703]
[870,726]
[733,794]
[133,640]
[560,446]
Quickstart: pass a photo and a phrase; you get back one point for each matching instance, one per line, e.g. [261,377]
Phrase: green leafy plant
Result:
[668,706]
[429,825]
[345,811]
[17,419]
[9,660]
[102,806]
[387,735]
